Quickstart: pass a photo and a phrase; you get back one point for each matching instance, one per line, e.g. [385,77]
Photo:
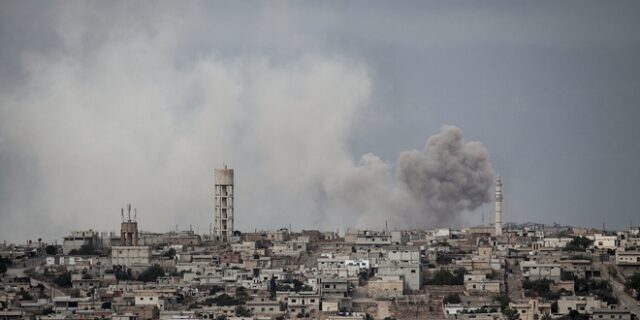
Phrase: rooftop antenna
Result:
[386,227]
[122,213]
[129,210]
[483,210]
[135,214]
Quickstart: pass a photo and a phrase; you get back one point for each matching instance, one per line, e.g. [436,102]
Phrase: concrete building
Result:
[581,304]
[628,261]
[130,256]
[129,253]
[303,303]
[80,238]
[498,224]
[224,204]
[607,313]
[602,241]
[410,272]
[531,309]
[533,270]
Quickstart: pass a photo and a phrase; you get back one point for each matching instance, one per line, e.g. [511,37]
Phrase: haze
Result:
[105,103]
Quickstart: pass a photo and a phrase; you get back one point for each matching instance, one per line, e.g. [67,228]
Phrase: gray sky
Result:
[105,103]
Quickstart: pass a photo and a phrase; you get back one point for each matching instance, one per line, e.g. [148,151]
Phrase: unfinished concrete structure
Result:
[129,229]
[498,206]
[223,224]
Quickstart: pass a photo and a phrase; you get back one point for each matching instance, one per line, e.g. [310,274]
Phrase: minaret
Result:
[223,224]
[498,206]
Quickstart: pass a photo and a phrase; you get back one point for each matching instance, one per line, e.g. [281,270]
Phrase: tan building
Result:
[581,304]
[531,309]
[130,256]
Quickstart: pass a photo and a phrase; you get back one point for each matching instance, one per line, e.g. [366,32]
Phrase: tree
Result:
[224,300]
[241,311]
[171,253]
[151,274]
[273,287]
[504,300]
[215,289]
[85,250]
[63,280]
[633,283]
[122,275]
[445,277]
[511,314]
[50,250]
[452,298]
[580,243]
[3,268]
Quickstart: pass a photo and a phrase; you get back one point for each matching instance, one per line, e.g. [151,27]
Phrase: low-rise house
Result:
[336,287]
[581,304]
[264,306]
[130,256]
[410,272]
[531,309]
[611,314]
[532,270]
[303,303]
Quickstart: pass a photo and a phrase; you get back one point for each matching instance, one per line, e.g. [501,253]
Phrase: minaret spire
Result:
[498,224]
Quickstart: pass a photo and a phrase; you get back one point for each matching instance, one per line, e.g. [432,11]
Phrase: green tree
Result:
[511,314]
[215,289]
[241,311]
[171,253]
[63,280]
[50,250]
[85,250]
[580,243]
[151,274]
[123,275]
[224,300]
[452,298]
[445,277]
[633,283]
[273,287]
[504,300]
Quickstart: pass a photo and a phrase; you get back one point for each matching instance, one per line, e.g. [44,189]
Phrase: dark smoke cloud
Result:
[450,176]
[433,186]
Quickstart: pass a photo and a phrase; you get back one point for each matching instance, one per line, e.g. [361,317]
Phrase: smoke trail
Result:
[450,176]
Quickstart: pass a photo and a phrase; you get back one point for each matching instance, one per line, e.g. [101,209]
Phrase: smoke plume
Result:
[432,188]
[127,108]
[450,176]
